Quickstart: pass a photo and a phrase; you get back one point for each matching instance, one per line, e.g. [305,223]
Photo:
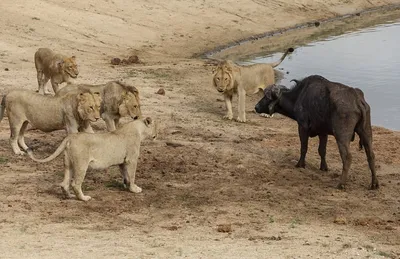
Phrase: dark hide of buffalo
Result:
[323,108]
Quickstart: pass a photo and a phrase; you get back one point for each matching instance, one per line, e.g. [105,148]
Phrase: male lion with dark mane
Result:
[231,78]
[47,113]
[55,67]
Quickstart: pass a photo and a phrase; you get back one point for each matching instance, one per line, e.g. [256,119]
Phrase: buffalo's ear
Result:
[276,92]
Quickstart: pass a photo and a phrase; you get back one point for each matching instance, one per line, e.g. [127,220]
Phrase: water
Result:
[368,59]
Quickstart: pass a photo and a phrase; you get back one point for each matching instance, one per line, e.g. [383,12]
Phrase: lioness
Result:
[47,113]
[56,67]
[231,78]
[100,151]
[118,100]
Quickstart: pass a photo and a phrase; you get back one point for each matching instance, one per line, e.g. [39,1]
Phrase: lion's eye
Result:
[217,78]
[135,106]
[91,107]
[226,78]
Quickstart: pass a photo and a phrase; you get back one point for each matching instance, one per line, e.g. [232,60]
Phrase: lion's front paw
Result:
[240,119]
[134,188]
[228,117]
[85,198]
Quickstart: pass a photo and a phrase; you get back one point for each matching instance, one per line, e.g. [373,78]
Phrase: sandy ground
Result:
[240,176]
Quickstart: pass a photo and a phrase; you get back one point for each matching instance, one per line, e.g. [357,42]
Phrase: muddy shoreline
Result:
[281,32]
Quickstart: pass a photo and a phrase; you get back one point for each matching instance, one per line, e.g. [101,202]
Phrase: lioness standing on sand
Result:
[100,151]
[55,67]
[230,78]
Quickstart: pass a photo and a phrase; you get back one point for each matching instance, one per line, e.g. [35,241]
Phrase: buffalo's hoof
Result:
[301,165]
[374,186]
[323,168]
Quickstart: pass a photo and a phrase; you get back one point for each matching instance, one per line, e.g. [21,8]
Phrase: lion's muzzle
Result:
[73,74]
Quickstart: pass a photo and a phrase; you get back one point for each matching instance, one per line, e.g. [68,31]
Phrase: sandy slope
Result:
[242,175]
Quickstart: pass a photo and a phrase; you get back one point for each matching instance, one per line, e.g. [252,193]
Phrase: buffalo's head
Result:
[271,98]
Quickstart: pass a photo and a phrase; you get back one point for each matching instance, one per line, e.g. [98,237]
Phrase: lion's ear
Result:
[229,69]
[59,63]
[124,95]
[147,121]
[80,96]
[73,57]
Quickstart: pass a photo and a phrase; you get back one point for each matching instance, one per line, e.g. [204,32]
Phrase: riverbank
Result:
[218,172]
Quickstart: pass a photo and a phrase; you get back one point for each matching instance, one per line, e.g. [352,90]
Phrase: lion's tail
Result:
[2,107]
[56,153]
[289,50]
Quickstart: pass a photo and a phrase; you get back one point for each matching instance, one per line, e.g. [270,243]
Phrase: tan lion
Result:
[47,113]
[100,151]
[230,78]
[118,100]
[55,67]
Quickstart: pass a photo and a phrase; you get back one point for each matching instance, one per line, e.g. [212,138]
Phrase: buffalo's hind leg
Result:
[343,138]
[303,134]
[366,138]
[323,139]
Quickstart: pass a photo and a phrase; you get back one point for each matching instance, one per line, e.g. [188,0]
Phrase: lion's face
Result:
[223,78]
[152,128]
[69,66]
[89,106]
[130,105]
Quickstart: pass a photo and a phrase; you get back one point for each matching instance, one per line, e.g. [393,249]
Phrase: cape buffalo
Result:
[323,108]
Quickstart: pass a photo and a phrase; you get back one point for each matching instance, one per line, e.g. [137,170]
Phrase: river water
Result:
[368,59]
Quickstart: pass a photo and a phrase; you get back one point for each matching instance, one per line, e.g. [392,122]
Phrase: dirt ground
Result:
[211,188]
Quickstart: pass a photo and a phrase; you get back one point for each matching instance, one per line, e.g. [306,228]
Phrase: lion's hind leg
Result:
[124,173]
[15,127]
[21,139]
[67,177]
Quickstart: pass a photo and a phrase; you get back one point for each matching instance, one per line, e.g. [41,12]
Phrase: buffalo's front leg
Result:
[303,134]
